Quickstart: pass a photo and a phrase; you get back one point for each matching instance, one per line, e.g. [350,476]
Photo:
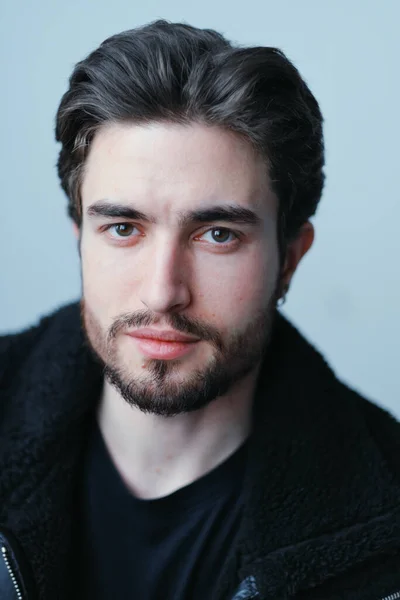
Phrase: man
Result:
[172,435]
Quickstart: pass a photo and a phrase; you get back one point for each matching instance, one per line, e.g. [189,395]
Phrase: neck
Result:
[156,456]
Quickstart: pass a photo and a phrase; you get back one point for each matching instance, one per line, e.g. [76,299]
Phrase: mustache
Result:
[175,321]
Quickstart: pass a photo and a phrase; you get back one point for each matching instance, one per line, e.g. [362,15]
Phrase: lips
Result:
[163,345]
[164,336]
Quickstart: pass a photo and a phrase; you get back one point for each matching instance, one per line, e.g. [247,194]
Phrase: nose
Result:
[164,286]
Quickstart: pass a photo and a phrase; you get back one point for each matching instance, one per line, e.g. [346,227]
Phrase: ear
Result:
[76,230]
[77,233]
[295,251]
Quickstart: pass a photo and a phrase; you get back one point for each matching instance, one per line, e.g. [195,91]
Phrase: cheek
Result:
[239,289]
[227,288]
[102,280]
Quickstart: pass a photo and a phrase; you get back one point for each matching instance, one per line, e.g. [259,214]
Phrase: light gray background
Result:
[346,295]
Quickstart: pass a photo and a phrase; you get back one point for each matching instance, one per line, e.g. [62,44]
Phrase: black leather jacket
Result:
[322,486]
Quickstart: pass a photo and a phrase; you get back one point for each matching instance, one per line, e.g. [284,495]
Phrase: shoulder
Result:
[352,414]
[383,428]
[16,348]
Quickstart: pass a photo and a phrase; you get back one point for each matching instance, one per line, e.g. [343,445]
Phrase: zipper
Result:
[11,573]
[394,596]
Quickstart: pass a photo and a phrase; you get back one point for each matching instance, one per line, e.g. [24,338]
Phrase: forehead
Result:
[165,168]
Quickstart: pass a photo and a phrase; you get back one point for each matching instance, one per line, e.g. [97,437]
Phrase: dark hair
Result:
[174,72]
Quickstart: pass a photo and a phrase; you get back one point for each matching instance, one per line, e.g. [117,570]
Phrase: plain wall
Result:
[346,294]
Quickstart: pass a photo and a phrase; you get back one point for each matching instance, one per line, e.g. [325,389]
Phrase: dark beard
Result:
[156,392]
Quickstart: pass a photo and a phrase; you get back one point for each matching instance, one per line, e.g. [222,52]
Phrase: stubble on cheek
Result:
[94,333]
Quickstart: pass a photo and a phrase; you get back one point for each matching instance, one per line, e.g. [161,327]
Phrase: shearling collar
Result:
[319,495]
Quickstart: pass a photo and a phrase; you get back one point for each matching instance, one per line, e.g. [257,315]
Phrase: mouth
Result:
[153,347]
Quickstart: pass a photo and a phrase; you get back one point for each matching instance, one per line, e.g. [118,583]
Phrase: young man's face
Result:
[213,277]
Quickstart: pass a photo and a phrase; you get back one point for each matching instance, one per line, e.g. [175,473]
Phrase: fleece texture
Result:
[322,484]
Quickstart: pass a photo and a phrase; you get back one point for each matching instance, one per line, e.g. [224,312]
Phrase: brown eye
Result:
[123,229]
[221,235]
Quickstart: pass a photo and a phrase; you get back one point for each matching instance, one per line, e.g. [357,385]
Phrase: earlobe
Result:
[308,236]
[301,245]
[76,230]
[296,249]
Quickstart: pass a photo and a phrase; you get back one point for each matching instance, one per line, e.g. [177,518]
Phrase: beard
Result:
[160,391]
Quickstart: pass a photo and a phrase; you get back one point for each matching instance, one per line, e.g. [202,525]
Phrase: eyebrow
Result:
[231,213]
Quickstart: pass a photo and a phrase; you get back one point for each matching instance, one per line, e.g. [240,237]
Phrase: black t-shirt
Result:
[169,548]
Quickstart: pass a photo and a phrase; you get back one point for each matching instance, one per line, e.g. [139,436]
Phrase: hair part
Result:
[173,72]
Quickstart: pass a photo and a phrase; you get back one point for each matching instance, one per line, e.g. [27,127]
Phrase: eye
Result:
[221,235]
[121,229]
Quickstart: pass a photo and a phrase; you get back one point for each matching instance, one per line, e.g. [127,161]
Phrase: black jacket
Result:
[322,512]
